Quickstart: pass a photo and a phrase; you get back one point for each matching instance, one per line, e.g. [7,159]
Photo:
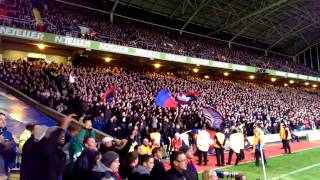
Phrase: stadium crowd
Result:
[66,20]
[142,129]
[46,154]
[143,132]
[239,102]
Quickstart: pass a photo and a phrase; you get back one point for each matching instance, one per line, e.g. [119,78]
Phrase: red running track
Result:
[271,151]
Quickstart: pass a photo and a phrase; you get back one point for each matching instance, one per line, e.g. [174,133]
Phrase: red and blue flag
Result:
[192,93]
[108,95]
[164,99]
[183,99]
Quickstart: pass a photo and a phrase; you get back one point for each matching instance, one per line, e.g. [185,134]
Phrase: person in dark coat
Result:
[27,155]
[142,172]
[28,152]
[132,162]
[107,168]
[178,162]
[26,158]
[50,159]
[191,172]
[123,152]
[158,172]
[85,161]
[106,145]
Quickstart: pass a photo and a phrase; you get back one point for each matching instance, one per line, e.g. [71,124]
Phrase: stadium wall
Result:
[311,135]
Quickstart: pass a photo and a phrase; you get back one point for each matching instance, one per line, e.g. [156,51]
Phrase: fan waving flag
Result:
[164,99]
[108,94]
[212,117]
[183,99]
[192,93]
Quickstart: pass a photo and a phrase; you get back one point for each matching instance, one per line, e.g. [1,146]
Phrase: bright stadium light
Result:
[195,70]
[285,85]
[206,77]
[314,86]
[226,74]
[306,83]
[251,76]
[291,81]
[107,59]
[273,79]
[41,46]
[157,65]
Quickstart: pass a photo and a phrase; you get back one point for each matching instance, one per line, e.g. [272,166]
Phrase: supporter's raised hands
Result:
[65,122]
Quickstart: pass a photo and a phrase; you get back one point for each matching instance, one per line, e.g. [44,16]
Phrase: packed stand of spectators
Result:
[72,153]
[132,105]
[66,20]
[143,129]
[47,154]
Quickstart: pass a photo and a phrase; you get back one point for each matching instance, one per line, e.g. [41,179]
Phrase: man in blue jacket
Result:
[7,145]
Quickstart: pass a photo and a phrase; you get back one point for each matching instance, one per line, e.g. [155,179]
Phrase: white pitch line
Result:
[296,171]
[270,157]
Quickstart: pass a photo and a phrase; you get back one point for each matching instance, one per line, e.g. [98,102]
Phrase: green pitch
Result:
[302,165]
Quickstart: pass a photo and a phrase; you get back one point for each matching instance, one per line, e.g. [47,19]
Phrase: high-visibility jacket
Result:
[236,142]
[203,140]
[282,133]
[26,134]
[258,141]
[260,131]
[219,140]
[145,150]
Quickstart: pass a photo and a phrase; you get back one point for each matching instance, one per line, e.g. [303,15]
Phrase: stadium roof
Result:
[286,26]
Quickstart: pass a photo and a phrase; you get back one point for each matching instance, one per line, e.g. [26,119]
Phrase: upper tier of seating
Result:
[65,20]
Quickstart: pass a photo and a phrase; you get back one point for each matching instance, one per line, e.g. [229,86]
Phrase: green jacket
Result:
[76,146]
